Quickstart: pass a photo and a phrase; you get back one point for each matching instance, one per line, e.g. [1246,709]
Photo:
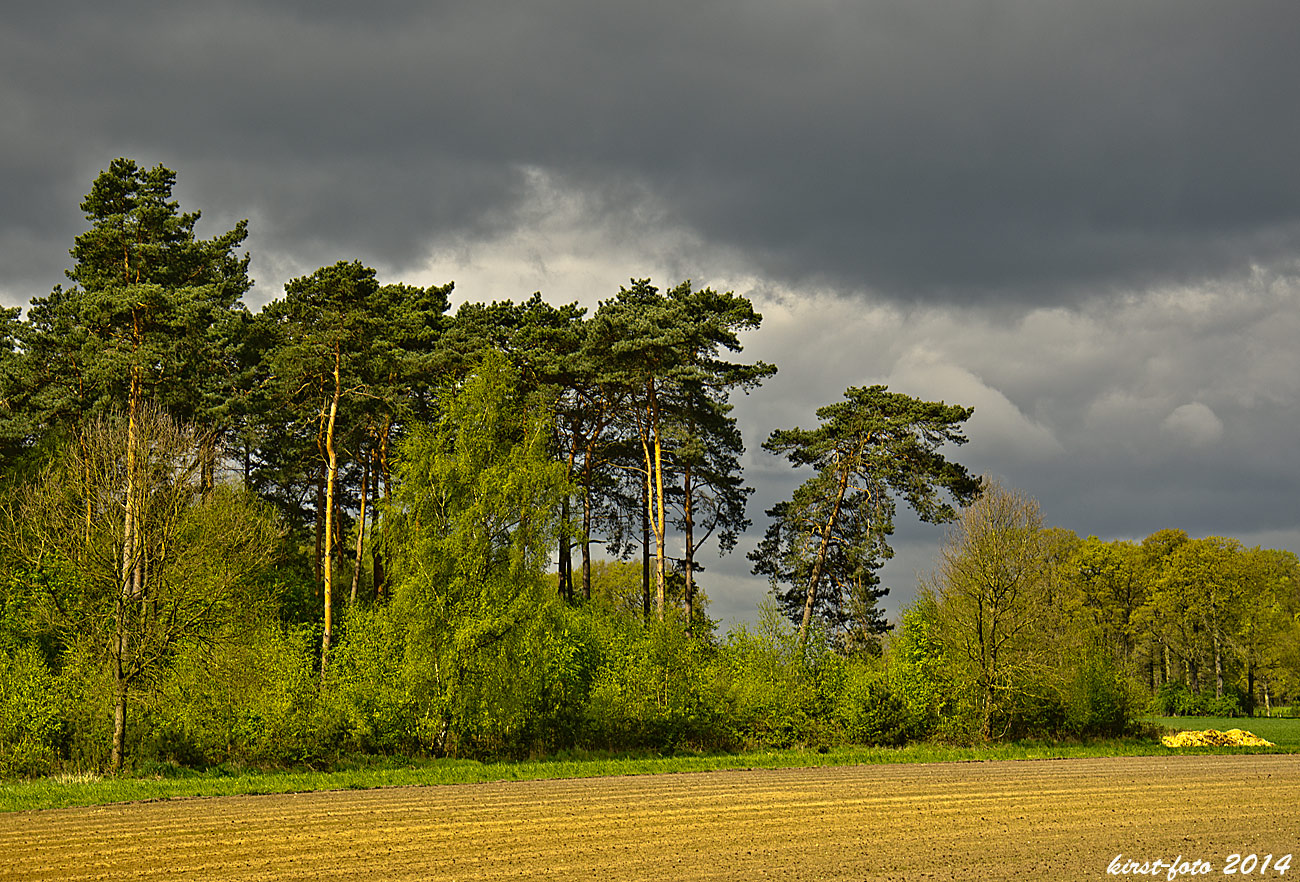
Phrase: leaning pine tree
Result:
[827,541]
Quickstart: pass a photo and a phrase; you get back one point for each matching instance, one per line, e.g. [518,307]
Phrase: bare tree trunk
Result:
[317,566]
[652,452]
[130,583]
[645,550]
[330,482]
[377,573]
[361,525]
[819,565]
[208,461]
[119,715]
[660,527]
[566,553]
[586,543]
[689,598]
[1218,665]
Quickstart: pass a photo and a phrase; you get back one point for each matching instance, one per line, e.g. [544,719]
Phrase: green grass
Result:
[1284,732]
[156,781]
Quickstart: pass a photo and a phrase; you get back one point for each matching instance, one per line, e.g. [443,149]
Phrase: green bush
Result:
[1098,702]
[87,687]
[30,713]
[776,692]
[656,689]
[869,710]
[1174,699]
[367,688]
[921,676]
[252,699]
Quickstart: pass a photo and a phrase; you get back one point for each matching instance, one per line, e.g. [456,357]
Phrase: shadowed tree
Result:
[868,449]
[152,315]
[664,352]
[347,357]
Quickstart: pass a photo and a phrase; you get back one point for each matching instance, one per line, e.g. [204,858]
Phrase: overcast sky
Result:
[1080,216]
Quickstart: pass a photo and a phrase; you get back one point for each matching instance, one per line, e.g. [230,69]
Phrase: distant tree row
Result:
[1029,622]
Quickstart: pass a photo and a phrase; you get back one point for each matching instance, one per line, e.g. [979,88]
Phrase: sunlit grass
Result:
[165,781]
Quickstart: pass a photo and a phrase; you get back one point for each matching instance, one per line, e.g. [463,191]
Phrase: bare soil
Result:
[1049,819]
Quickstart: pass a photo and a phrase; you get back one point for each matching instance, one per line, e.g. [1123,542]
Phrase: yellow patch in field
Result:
[1215,738]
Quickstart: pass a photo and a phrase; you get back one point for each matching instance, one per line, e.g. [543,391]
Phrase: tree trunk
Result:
[317,566]
[645,550]
[208,461]
[330,482]
[661,529]
[689,598]
[377,573]
[652,449]
[819,565]
[586,543]
[130,582]
[119,719]
[566,553]
[361,526]
[1218,667]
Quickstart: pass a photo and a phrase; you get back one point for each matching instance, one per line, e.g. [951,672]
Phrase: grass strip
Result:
[373,772]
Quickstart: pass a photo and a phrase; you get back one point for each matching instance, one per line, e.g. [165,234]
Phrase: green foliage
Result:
[772,688]
[869,709]
[920,670]
[31,712]
[151,314]
[475,514]
[132,492]
[249,697]
[368,687]
[826,543]
[1099,700]
[655,689]
[86,681]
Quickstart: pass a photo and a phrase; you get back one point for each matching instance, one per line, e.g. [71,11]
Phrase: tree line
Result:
[355,520]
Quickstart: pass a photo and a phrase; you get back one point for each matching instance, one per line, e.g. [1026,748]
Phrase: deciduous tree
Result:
[475,514]
[130,578]
[992,583]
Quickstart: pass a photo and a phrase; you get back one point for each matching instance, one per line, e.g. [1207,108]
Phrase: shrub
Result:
[30,707]
[1098,702]
[869,710]
[656,689]
[367,690]
[252,699]
[774,690]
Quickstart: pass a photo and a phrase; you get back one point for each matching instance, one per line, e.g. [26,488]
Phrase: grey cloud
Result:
[1084,213]
[1008,150]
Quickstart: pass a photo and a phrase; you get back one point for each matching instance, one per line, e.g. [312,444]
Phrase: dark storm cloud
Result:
[974,151]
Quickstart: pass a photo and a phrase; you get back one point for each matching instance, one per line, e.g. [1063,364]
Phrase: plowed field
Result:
[1052,819]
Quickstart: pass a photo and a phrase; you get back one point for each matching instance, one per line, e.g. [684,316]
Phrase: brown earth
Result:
[1039,820]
